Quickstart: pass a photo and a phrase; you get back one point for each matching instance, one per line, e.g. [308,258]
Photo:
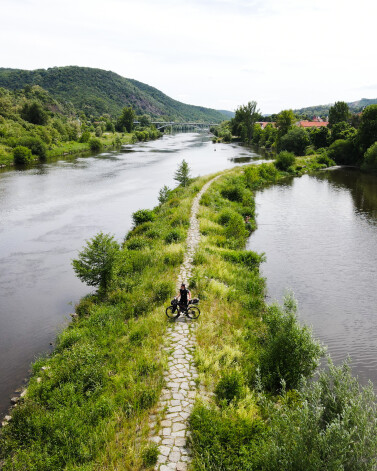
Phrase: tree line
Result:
[349,138]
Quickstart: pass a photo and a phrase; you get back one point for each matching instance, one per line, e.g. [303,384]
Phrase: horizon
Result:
[214,53]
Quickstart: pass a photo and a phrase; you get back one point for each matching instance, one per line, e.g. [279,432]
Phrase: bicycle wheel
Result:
[193,312]
[171,314]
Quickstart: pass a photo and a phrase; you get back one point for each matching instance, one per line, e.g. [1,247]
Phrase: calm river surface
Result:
[46,214]
[319,234]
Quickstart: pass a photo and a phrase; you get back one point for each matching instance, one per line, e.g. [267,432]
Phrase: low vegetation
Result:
[87,404]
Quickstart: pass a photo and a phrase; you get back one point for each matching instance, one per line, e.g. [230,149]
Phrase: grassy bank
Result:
[87,405]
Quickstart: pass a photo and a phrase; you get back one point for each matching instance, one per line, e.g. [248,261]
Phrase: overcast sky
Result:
[216,53]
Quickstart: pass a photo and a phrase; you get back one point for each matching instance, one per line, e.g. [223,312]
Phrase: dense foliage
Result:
[97,92]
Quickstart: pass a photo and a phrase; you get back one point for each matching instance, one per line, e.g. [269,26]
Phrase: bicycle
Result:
[175,309]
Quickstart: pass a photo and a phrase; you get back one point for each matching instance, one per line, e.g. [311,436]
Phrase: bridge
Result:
[164,124]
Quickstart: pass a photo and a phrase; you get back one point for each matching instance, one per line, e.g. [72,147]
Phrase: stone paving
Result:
[169,426]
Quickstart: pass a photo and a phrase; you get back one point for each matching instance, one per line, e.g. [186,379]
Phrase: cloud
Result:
[212,52]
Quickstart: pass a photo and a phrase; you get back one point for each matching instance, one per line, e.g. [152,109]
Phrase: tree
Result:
[342,130]
[244,120]
[296,140]
[339,112]
[34,113]
[95,263]
[163,194]
[368,127]
[284,121]
[95,144]
[182,175]
[144,120]
[343,152]
[126,120]
[320,137]
[370,158]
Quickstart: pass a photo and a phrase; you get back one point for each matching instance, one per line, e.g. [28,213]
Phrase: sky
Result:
[214,53]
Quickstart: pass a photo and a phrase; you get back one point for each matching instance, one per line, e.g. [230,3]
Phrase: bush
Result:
[225,216]
[285,160]
[85,136]
[229,387]
[22,155]
[236,230]
[173,236]
[342,152]
[36,145]
[163,290]
[232,193]
[150,455]
[324,159]
[296,140]
[142,215]
[137,243]
[268,172]
[370,158]
[95,144]
[290,353]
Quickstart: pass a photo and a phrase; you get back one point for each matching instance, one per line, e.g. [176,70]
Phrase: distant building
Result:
[311,124]
[263,124]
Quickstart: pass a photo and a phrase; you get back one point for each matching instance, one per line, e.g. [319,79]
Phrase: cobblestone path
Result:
[169,427]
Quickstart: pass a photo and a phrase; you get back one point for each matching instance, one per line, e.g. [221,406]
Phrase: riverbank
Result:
[107,141]
[87,406]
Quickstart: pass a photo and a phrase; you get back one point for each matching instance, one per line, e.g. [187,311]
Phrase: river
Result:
[48,211]
[319,234]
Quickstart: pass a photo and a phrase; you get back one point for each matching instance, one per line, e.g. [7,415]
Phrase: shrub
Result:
[163,194]
[370,158]
[229,387]
[290,353]
[163,290]
[98,131]
[225,216]
[22,155]
[324,159]
[95,144]
[85,305]
[249,259]
[268,172]
[150,455]
[142,215]
[173,236]
[85,136]
[182,175]
[36,145]
[342,152]
[137,243]
[285,160]
[232,193]
[236,230]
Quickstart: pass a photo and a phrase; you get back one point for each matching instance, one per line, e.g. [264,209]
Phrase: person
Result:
[184,296]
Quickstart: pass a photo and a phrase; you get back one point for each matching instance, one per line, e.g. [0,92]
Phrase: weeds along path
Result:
[169,427]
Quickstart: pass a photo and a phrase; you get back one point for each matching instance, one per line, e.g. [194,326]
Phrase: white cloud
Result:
[218,53]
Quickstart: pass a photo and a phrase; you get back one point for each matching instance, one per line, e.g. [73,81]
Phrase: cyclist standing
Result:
[184,296]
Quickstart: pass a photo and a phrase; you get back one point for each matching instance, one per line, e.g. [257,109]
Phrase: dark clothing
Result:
[183,300]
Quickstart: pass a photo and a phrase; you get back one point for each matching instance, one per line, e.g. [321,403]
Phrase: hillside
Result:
[96,92]
[321,110]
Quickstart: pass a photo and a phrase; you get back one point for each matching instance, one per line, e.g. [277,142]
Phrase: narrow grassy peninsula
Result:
[260,402]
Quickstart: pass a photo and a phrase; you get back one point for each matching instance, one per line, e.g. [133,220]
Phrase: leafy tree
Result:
[296,140]
[284,121]
[95,263]
[22,155]
[244,120]
[339,112]
[144,120]
[320,137]
[98,131]
[342,130]
[182,175]
[126,120]
[36,145]
[34,113]
[163,194]
[368,127]
[85,136]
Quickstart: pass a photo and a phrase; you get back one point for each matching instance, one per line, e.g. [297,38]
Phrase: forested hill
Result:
[96,91]
[321,110]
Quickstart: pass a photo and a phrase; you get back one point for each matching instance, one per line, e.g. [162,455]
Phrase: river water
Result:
[319,234]
[48,211]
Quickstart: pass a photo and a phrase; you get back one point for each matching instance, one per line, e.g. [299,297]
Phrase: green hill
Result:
[96,92]
[322,110]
